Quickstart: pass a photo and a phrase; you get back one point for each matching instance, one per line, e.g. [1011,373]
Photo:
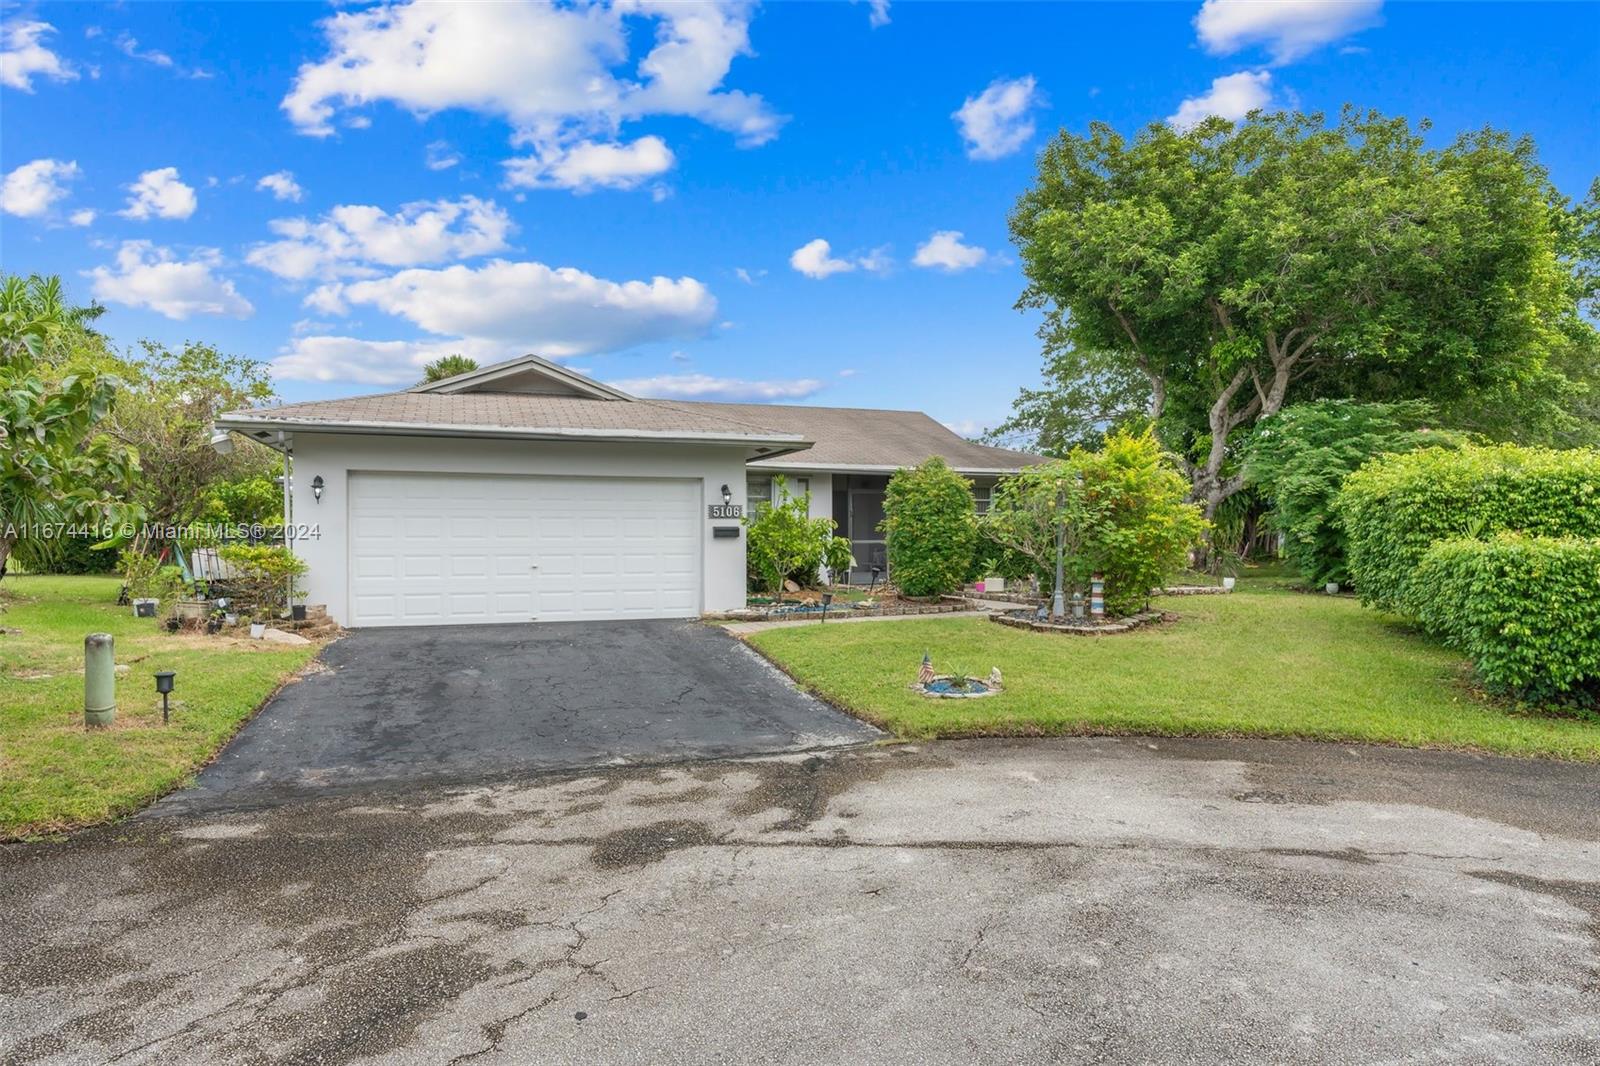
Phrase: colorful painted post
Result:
[99,680]
[1097,596]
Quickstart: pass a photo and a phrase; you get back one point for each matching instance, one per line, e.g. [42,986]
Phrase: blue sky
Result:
[348,190]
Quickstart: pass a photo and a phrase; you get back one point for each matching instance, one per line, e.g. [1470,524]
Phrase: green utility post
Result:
[99,680]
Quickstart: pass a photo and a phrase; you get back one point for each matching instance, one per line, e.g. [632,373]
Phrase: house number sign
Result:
[725,510]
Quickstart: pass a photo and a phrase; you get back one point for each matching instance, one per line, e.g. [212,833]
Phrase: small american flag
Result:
[925,675]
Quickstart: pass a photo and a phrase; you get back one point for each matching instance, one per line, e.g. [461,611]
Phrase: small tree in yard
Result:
[1120,510]
[932,528]
[782,538]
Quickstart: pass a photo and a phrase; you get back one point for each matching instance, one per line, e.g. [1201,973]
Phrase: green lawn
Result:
[56,775]
[1264,661]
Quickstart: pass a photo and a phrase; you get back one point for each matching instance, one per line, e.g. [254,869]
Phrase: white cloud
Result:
[130,48]
[150,276]
[730,390]
[353,238]
[556,311]
[441,156]
[159,194]
[387,363]
[33,188]
[589,165]
[22,56]
[1288,29]
[563,77]
[749,277]
[849,372]
[878,13]
[944,251]
[282,186]
[815,259]
[1232,97]
[82,217]
[967,427]
[998,121]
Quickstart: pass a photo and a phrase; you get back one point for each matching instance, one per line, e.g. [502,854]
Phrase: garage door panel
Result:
[449,549]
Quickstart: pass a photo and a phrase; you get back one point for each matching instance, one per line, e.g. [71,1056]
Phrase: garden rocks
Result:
[1083,627]
[278,636]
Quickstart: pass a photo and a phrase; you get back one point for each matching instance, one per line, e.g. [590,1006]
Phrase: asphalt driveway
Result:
[463,704]
[1092,901]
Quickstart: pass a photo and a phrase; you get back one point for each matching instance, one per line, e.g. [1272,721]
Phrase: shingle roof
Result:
[850,438]
[513,411]
[865,437]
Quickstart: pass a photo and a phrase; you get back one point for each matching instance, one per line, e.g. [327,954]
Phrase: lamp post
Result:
[1058,603]
[827,598]
[164,686]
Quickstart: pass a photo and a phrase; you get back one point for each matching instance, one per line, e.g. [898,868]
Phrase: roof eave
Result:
[879,468]
[768,445]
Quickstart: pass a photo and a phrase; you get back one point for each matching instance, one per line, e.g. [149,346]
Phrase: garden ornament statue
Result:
[925,674]
[994,677]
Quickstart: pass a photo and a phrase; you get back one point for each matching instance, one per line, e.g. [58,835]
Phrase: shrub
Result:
[78,555]
[1125,516]
[931,524]
[148,579]
[266,577]
[1299,459]
[782,539]
[1395,508]
[1525,609]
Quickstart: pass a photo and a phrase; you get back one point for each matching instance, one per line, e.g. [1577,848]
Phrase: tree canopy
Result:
[166,412]
[1217,273]
[58,468]
[447,366]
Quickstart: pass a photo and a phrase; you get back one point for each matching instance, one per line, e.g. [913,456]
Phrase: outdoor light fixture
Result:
[727,495]
[316,488]
[827,598]
[164,686]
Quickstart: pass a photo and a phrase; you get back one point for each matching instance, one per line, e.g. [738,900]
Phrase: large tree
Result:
[167,411]
[58,468]
[1219,272]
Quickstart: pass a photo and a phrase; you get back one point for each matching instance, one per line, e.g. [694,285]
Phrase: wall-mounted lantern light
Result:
[316,488]
[727,495]
[164,686]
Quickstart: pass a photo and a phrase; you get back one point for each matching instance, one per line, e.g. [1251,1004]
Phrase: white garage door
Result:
[446,549]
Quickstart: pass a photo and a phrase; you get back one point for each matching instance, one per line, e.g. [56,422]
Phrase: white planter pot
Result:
[1228,582]
[230,619]
[257,630]
[995,584]
[1332,588]
[145,608]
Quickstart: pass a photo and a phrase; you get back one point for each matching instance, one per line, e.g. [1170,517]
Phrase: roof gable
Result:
[528,375]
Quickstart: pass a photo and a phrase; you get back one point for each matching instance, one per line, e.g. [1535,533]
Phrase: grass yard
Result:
[1262,662]
[54,774]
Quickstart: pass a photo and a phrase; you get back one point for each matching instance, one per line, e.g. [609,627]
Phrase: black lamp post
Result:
[827,598]
[164,686]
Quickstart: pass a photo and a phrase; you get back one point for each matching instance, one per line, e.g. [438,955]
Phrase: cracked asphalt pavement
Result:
[1099,900]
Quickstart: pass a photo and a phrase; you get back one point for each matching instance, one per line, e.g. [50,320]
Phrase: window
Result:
[758,492]
[980,497]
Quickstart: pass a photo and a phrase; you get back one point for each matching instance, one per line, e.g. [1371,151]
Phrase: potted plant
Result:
[258,628]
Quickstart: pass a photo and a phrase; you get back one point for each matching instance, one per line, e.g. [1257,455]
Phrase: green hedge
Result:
[1396,507]
[1526,609]
[931,525]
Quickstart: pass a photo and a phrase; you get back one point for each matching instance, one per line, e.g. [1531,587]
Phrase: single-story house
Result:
[525,491]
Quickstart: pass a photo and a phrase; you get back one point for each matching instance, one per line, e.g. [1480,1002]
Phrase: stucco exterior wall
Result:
[334,456]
